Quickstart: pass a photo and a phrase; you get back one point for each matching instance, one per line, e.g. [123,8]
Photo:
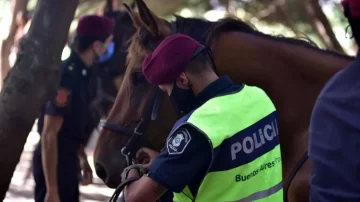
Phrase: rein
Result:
[136,134]
[115,196]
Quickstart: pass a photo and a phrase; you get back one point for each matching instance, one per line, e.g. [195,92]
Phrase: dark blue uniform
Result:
[71,102]
[334,145]
[177,170]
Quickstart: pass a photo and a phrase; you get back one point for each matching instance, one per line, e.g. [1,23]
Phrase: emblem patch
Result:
[178,141]
[62,97]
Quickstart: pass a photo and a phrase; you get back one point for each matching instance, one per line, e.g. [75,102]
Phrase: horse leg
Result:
[300,187]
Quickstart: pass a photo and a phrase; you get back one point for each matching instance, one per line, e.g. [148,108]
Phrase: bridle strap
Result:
[116,128]
[150,114]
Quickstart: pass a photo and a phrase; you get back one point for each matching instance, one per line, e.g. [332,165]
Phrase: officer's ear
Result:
[182,81]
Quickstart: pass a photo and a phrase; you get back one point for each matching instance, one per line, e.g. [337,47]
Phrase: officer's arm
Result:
[52,125]
[145,189]
[55,110]
[174,168]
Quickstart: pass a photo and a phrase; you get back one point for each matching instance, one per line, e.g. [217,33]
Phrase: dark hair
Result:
[202,62]
[82,43]
[354,24]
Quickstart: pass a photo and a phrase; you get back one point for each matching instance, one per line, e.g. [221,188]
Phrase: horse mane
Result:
[195,27]
[231,24]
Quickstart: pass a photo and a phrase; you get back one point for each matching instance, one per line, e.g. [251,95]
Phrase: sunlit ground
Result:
[22,191]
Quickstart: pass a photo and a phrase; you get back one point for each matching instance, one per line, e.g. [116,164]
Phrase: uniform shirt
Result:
[188,165]
[334,145]
[72,102]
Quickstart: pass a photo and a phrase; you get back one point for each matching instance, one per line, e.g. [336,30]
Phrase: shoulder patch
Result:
[178,142]
[62,97]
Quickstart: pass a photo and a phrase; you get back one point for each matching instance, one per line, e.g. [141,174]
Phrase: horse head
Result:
[137,96]
[141,116]
[108,76]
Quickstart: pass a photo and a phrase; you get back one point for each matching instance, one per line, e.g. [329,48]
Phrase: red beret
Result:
[170,58]
[94,25]
[354,7]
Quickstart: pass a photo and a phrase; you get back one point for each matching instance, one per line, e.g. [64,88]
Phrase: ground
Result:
[22,191]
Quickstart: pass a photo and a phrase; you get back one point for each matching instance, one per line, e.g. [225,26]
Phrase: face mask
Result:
[182,99]
[108,54]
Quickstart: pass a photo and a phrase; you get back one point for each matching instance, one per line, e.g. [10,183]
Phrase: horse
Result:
[291,71]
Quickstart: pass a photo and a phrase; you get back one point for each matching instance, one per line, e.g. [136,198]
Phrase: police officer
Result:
[226,147]
[334,140]
[63,120]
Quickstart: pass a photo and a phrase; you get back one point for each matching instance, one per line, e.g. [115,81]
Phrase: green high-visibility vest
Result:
[242,130]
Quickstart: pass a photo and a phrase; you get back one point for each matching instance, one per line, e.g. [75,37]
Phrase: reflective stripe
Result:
[262,194]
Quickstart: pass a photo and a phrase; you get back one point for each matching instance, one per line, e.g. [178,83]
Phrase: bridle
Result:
[150,114]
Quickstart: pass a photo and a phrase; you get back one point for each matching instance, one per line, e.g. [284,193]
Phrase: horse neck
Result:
[292,75]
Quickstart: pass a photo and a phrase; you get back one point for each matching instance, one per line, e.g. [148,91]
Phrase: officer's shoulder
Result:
[67,68]
[184,135]
[189,128]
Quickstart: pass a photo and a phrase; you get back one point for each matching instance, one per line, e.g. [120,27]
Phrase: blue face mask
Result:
[108,54]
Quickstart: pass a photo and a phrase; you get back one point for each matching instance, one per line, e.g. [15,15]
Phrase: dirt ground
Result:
[22,191]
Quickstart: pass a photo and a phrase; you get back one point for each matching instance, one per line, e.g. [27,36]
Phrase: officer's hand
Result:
[86,172]
[52,197]
[145,156]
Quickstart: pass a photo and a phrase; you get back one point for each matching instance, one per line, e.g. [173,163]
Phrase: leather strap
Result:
[140,170]
[293,173]
[121,187]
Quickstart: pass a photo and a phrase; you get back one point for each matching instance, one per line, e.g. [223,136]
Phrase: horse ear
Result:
[134,16]
[132,5]
[148,18]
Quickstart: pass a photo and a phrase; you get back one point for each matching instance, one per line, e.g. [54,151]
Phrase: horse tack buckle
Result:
[126,155]
[136,130]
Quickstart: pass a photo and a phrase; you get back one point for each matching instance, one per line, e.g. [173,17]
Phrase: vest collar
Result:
[212,90]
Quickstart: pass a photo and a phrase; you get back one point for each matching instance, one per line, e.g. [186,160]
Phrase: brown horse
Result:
[291,71]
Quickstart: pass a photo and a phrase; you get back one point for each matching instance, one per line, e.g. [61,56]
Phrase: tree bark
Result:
[321,24]
[327,26]
[33,78]
[17,7]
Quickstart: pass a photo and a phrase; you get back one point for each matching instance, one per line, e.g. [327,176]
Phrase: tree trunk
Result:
[17,7]
[331,38]
[29,83]
[321,25]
